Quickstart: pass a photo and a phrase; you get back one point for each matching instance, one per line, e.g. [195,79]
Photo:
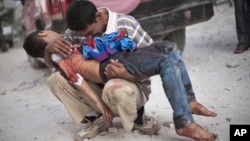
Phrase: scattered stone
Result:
[3,92]
[168,124]
[103,133]
[112,130]
[232,66]
[136,131]
[228,119]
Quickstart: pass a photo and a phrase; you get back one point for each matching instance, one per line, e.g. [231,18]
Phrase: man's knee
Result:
[116,90]
[122,92]
[54,77]
[59,85]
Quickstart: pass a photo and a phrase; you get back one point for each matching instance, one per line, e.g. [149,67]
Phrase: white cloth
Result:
[56,58]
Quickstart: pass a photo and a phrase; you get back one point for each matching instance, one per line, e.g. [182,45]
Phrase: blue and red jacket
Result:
[100,48]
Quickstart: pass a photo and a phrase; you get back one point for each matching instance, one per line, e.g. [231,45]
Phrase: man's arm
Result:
[62,46]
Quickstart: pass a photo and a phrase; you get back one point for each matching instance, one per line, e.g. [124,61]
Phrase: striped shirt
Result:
[134,30]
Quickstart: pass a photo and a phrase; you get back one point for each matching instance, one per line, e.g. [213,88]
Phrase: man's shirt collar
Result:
[112,21]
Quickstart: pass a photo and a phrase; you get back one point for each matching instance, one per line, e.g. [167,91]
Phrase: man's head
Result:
[83,18]
[35,43]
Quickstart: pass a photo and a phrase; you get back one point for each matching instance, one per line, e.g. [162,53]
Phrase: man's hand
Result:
[117,70]
[106,113]
[60,46]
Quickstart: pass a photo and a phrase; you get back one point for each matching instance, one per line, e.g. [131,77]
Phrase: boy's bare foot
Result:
[196,132]
[199,109]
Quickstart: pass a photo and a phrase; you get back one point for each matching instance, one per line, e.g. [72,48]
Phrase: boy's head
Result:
[83,18]
[35,43]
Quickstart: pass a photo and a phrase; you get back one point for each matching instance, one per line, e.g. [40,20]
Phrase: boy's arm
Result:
[83,87]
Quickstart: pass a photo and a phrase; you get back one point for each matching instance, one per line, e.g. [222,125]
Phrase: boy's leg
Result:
[195,106]
[147,63]
[154,60]
[164,48]
[185,77]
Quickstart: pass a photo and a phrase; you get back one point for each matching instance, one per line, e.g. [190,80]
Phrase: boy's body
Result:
[163,55]
[133,97]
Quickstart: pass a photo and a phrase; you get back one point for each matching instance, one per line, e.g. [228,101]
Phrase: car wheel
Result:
[179,37]
[36,63]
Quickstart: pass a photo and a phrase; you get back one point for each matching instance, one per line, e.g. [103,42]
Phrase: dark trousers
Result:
[160,58]
[242,20]
[3,46]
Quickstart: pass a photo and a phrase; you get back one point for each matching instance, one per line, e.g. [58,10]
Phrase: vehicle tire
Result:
[179,37]
[35,63]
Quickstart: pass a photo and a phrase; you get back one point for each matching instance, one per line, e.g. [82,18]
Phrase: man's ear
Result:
[98,16]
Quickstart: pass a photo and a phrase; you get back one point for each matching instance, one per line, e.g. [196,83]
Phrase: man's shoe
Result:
[150,127]
[94,128]
[240,49]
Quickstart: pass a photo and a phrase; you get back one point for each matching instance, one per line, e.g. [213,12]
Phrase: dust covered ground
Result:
[221,80]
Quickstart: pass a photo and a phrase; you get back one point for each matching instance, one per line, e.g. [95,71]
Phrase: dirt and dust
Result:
[221,80]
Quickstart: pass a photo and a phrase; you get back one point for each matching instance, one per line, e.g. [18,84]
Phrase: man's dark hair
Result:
[80,14]
[34,45]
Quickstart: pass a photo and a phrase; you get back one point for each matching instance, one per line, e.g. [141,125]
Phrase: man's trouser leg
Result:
[123,98]
[76,104]
[241,17]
